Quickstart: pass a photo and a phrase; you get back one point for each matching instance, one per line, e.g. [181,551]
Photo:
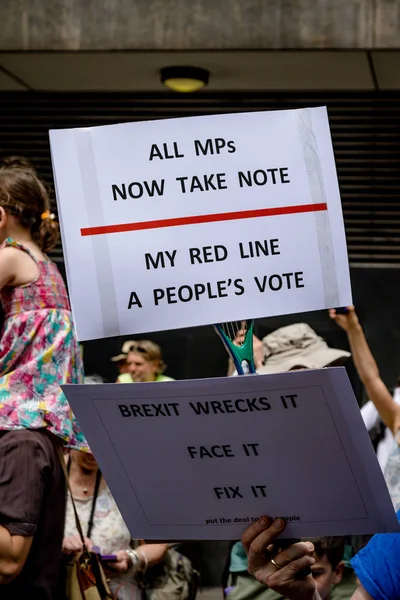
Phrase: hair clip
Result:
[47,215]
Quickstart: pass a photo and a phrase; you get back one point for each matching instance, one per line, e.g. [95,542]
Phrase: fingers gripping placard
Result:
[185,222]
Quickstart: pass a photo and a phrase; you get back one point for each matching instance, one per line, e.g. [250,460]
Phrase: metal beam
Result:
[198,24]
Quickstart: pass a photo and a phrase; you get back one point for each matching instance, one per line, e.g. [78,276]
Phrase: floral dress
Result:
[38,353]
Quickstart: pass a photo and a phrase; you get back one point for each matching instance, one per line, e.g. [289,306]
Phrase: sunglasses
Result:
[135,348]
[149,354]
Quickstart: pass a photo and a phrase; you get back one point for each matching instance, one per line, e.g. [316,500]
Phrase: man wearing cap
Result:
[122,364]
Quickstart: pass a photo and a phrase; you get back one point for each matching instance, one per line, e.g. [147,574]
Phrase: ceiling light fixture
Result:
[184,79]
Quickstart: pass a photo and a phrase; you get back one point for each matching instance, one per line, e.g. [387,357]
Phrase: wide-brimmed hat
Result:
[297,346]
[126,346]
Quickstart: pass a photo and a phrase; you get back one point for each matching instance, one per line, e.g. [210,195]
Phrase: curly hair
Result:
[25,196]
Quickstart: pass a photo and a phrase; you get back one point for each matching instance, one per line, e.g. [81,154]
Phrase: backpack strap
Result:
[94,500]
[77,521]
[93,508]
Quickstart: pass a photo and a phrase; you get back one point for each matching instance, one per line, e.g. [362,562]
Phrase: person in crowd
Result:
[376,565]
[121,362]
[104,527]
[291,347]
[145,362]
[377,391]
[327,571]
[38,353]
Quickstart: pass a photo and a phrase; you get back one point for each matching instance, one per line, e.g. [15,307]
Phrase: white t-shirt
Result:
[371,418]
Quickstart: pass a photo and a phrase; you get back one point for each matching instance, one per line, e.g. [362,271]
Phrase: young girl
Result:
[38,353]
[38,347]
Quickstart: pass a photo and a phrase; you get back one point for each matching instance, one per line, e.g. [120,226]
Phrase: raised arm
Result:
[368,369]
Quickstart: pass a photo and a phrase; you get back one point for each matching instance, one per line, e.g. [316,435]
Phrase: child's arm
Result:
[8,266]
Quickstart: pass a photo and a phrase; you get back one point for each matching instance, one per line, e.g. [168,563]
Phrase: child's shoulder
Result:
[10,261]
[19,249]
[18,264]
[8,252]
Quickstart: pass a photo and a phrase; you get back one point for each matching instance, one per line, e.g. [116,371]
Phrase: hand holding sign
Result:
[346,320]
[281,571]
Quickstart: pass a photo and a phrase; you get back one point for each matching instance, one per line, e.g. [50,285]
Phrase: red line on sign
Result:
[214,218]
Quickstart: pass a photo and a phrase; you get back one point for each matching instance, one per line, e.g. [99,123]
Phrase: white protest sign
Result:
[202,459]
[184,222]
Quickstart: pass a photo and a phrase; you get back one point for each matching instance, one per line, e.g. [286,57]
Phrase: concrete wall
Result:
[198,24]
